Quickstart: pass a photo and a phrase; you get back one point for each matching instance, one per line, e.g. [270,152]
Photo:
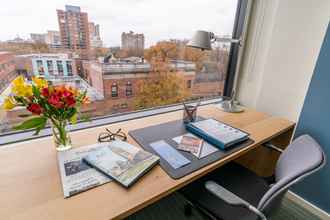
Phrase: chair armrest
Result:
[230,198]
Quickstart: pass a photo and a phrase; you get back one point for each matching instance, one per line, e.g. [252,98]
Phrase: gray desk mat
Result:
[169,130]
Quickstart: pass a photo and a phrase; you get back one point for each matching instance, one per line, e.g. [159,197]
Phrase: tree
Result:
[163,85]
[175,49]
[161,88]
[101,51]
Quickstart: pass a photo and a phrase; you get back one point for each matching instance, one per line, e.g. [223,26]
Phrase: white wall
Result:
[283,42]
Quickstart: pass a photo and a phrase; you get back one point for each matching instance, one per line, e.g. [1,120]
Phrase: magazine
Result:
[191,144]
[77,176]
[122,161]
[206,149]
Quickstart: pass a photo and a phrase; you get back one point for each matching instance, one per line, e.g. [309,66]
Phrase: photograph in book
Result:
[122,161]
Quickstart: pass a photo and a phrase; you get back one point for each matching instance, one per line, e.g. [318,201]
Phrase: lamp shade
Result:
[201,40]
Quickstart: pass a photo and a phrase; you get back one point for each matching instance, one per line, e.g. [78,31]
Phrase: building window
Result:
[50,67]
[40,67]
[59,67]
[129,89]
[114,90]
[189,82]
[69,67]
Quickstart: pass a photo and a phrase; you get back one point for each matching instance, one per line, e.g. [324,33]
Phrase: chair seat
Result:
[235,178]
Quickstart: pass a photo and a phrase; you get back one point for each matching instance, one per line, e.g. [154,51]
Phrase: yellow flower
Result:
[8,104]
[28,91]
[19,81]
[39,82]
[20,88]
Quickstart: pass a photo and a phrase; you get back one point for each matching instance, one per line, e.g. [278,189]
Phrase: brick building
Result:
[7,69]
[74,30]
[119,81]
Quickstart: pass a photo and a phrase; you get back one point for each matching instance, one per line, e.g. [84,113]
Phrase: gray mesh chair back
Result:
[301,158]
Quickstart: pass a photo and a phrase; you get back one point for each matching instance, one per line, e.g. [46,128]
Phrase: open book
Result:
[121,161]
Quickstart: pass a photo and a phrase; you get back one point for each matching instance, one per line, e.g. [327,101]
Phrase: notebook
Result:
[121,161]
[217,133]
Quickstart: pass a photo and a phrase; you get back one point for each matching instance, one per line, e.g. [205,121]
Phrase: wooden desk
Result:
[30,186]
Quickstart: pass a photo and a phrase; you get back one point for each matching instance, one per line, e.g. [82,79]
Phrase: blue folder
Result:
[216,141]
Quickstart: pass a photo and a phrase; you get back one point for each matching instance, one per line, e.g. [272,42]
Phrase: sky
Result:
[157,19]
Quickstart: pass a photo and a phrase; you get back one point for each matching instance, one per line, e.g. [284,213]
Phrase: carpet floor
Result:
[171,208]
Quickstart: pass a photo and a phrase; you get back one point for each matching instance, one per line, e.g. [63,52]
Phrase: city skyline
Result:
[116,17]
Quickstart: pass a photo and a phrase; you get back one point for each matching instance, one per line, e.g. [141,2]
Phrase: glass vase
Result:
[61,136]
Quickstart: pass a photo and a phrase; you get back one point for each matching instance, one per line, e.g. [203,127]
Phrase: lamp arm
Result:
[226,39]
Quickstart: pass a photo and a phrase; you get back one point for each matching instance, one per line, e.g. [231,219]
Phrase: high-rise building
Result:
[94,35]
[74,30]
[53,39]
[132,42]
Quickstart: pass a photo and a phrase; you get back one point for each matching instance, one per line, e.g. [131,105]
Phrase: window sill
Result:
[15,137]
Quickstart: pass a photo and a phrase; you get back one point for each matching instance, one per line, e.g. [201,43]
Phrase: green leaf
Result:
[39,128]
[35,91]
[32,123]
[70,113]
[74,118]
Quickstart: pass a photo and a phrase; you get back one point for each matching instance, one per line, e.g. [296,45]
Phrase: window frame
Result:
[235,49]
[14,137]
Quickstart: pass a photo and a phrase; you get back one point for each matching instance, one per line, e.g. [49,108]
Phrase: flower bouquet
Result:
[58,104]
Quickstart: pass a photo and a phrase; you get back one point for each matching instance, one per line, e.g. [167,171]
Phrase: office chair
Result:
[233,192]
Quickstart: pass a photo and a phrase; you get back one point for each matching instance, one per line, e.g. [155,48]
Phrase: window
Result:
[129,89]
[69,67]
[40,67]
[189,84]
[131,67]
[50,67]
[114,90]
[59,67]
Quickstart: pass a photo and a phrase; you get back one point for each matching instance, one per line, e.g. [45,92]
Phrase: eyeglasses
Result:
[110,136]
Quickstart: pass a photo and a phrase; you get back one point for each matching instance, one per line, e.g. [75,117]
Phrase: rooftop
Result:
[45,55]
[143,67]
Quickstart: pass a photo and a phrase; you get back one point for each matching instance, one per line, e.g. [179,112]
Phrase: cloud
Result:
[157,19]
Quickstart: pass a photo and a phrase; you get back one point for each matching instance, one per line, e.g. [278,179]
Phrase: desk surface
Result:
[30,186]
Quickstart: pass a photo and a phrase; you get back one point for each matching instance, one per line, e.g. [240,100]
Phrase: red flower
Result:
[35,108]
[45,92]
[66,93]
[55,101]
[70,101]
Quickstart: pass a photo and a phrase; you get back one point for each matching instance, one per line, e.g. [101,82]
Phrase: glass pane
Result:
[127,55]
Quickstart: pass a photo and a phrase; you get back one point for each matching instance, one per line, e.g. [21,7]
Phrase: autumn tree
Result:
[163,85]
[101,51]
[24,48]
[176,49]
